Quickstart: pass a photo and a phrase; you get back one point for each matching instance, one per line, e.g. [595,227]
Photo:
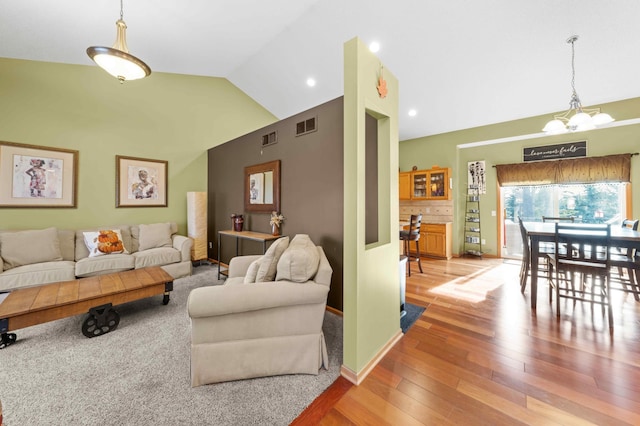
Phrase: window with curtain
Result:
[593,190]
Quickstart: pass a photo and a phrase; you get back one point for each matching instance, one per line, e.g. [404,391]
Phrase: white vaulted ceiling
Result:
[460,63]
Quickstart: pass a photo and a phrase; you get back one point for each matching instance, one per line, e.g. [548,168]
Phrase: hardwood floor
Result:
[479,356]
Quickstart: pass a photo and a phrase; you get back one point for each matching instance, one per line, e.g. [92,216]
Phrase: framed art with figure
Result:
[141,182]
[37,176]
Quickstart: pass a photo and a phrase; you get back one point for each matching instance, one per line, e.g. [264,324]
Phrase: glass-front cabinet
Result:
[438,184]
[419,185]
[431,184]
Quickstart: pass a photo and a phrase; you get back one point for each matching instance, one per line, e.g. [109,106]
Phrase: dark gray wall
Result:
[311,194]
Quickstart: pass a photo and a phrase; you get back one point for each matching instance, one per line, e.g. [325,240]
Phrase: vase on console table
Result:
[238,222]
[275,230]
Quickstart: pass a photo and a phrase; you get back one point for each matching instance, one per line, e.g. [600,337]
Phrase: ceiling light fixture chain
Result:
[583,118]
[575,99]
[117,60]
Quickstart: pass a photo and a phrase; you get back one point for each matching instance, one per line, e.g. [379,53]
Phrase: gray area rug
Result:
[139,373]
[413,313]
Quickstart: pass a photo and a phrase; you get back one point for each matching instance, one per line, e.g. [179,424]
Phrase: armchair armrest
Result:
[183,245]
[238,298]
[238,265]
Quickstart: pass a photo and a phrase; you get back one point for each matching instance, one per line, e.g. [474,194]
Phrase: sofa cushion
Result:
[67,238]
[105,241]
[269,263]
[91,266]
[154,236]
[37,273]
[135,235]
[156,257]
[252,271]
[28,247]
[299,262]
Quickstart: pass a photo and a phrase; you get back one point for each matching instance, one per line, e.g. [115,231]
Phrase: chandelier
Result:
[116,60]
[577,118]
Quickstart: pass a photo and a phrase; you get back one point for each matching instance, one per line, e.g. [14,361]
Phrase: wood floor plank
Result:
[479,355]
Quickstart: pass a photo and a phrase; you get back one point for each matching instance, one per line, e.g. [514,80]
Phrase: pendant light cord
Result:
[121,14]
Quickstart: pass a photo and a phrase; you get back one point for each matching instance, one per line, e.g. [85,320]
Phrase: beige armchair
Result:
[245,330]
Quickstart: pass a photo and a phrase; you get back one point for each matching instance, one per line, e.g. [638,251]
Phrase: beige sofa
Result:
[31,257]
[272,326]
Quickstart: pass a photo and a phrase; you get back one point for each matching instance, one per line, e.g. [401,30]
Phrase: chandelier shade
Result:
[117,60]
[577,118]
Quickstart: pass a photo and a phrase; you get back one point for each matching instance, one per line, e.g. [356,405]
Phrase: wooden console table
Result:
[244,235]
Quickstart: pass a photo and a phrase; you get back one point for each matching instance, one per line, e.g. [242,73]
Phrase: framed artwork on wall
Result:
[37,176]
[141,182]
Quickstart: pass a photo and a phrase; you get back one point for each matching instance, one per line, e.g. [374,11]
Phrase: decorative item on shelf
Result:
[117,60]
[276,221]
[583,118]
[238,221]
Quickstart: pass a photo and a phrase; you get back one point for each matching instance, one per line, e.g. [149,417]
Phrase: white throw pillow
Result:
[107,241]
[154,236]
[269,263]
[29,247]
[299,262]
[252,271]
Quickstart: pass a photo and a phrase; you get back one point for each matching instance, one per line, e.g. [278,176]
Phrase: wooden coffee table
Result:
[96,296]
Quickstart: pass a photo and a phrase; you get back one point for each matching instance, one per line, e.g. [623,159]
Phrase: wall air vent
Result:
[269,139]
[307,126]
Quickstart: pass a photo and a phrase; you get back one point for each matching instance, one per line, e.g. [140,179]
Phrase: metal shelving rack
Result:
[472,230]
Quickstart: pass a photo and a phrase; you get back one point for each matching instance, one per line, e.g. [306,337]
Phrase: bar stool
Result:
[412,234]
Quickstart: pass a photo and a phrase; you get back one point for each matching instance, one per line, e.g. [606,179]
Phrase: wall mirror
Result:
[262,187]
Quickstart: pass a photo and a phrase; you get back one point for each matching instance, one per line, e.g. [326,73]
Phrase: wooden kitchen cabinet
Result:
[404,182]
[435,240]
[431,184]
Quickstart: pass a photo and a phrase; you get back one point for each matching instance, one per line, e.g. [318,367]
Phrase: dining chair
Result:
[412,234]
[625,266]
[582,273]
[525,270]
[548,247]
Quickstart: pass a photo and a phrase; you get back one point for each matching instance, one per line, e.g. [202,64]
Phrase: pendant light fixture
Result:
[577,118]
[117,60]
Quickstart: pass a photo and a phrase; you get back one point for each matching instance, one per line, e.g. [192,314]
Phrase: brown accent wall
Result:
[311,194]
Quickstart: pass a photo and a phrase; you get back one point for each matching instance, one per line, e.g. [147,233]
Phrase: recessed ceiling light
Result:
[374,46]
[311,82]
[412,113]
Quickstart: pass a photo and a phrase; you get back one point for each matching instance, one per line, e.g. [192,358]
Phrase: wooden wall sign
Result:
[554,152]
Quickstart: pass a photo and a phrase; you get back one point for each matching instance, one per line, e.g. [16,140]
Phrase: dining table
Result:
[544,232]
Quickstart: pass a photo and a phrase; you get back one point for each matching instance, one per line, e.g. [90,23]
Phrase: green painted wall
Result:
[370,271]
[164,116]
[444,151]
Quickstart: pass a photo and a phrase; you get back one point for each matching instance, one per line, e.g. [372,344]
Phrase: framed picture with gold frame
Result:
[141,182]
[37,176]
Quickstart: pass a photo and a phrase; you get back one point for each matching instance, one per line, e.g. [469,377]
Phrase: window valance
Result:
[610,168]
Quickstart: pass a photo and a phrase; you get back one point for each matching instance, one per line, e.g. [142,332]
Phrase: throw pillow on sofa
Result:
[154,236]
[28,247]
[299,262]
[269,262]
[252,271]
[106,241]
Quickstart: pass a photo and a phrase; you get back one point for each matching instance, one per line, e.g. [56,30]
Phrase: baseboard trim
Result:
[334,311]
[357,378]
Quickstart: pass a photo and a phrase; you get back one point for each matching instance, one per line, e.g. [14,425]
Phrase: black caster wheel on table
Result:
[100,320]
[7,339]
